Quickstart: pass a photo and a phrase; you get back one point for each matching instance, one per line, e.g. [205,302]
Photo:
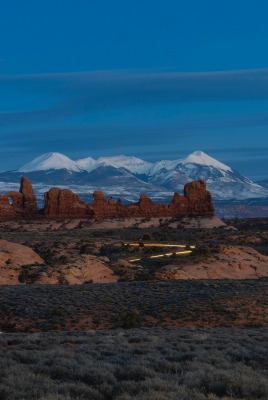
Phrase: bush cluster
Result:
[155,364]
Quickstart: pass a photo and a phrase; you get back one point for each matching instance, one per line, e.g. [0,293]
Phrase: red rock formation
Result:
[6,209]
[29,199]
[63,203]
[22,203]
[178,205]
[100,204]
[199,199]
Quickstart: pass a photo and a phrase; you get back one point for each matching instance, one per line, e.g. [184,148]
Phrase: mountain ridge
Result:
[127,176]
[55,160]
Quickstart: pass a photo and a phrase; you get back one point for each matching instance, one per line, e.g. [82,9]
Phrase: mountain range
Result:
[127,177]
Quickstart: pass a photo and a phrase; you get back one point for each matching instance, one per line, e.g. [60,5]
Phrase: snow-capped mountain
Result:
[201,158]
[49,161]
[222,180]
[196,158]
[86,164]
[127,177]
[132,164]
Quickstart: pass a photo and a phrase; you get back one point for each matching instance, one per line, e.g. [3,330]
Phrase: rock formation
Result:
[63,203]
[13,257]
[21,265]
[19,204]
[28,197]
[235,262]
[199,199]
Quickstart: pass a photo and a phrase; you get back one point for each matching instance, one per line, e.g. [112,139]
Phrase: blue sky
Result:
[155,79]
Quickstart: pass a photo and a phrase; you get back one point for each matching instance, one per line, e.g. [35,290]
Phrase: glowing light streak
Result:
[157,245]
[181,252]
[164,255]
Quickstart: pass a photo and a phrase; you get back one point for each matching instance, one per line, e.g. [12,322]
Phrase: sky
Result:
[154,79]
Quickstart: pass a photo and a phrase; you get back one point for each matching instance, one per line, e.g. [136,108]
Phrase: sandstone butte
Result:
[63,203]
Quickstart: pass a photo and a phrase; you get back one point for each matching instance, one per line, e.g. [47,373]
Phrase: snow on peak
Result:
[135,165]
[50,161]
[163,165]
[201,158]
[87,164]
[132,164]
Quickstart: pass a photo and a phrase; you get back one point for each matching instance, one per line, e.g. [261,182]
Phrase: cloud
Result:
[101,91]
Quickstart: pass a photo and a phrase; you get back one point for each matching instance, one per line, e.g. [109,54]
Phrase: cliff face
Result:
[63,203]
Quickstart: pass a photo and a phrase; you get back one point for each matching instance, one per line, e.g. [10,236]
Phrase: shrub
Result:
[130,319]
[62,280]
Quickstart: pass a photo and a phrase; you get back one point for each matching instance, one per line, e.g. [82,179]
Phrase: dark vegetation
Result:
[140,364]
[190,303]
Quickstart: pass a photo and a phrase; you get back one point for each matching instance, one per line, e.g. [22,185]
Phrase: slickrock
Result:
[21,265]
[85,269]
[230,263]
[13,256]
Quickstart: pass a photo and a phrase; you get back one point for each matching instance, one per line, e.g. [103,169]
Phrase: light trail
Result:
[183,246]
[170,254]
[182,252]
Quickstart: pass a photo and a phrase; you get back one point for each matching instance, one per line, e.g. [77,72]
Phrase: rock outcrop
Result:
[28,197]
[14,258]
[86,268]
[19,204]
[235,262]
[199,199]
[21,265]
[63,203]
